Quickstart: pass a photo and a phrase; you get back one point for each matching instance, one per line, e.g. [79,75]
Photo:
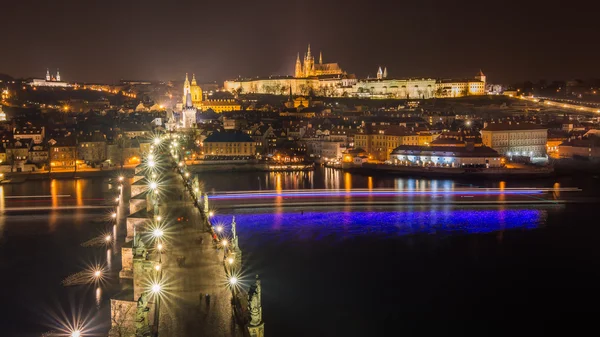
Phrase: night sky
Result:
[104,41]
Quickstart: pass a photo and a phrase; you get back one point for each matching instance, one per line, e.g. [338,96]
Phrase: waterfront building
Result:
[38,154]
[459,155]
[92,148]
[379,141]
[63,153]
[17,152]
[228,145]
[588,147]
[516,139]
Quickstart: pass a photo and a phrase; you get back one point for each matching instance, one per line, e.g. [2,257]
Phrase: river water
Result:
[336,271]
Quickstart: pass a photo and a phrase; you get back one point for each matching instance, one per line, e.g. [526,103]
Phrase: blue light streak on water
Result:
[405,222]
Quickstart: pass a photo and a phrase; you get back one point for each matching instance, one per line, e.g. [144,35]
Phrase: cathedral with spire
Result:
[193,89]
[308,68]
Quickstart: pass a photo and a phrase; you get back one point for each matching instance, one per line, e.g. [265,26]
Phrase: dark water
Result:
[347,271]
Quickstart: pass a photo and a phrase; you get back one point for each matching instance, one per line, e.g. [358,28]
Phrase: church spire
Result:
[47,74]
[379,73]
[308,53]
[194,79]
[57,74]
[298,70]
[385,72]
[320,57]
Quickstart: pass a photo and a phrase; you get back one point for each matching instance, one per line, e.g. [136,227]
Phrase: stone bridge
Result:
[180,275]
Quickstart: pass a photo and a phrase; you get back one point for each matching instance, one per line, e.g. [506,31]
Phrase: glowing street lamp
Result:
[156,141]
[151,163]
[153,185]
[107,238]
[187,174]
[121,178]
[219,229]
[158,218]
[233,281]
[97,274]
[114,215]
[211,214]
[230,260]
[224,243]
[157,267]
[157,233]
[76,333]
[159,247]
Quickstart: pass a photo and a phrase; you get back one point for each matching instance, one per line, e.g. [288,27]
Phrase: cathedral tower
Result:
[298,71]
[57,75]
[309,64]
[47,74]
[379,73]
[385,72]
[186,88]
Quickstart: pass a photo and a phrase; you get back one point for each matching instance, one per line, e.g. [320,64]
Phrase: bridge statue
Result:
[206,203]
[142,326]
[139,248]
[256,327]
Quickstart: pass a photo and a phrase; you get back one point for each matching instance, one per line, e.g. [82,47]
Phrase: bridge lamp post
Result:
[76,333]
[224,243]
[233,281]
[159,247]
[156,290]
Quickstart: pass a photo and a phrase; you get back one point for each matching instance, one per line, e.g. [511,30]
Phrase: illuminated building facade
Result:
[379,143]
[446,156]
[49,81]
[229,144]
[220,105]
[516,139]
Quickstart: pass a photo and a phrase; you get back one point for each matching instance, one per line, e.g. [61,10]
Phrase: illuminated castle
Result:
[309,68]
